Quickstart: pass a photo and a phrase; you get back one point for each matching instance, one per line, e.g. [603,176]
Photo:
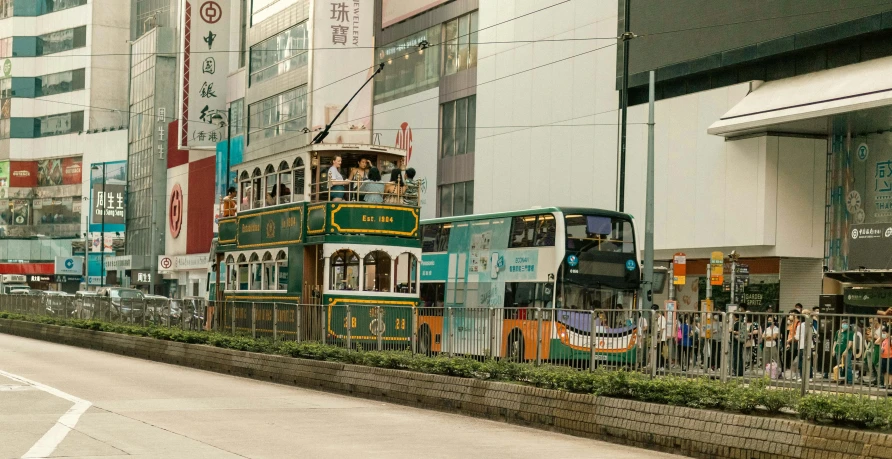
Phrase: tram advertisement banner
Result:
[374,219]
[270,228]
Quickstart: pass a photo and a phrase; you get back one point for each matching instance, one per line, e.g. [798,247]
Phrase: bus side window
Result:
[443,238]
[523,230]
[430,235]
[545,231]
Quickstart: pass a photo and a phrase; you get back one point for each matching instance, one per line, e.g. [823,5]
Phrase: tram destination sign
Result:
[274,227]
[374,219]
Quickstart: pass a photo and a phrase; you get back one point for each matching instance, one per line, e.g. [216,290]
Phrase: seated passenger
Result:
[395,188]
[372,189]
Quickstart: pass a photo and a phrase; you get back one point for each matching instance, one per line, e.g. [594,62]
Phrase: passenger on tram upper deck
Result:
[372,190]
[337,184]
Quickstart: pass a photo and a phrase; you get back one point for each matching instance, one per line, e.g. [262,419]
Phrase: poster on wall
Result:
[49,172]
[393,11]
[22,174]
[4,179]
[203,72]
[108,196]
[345,32]
[71,170]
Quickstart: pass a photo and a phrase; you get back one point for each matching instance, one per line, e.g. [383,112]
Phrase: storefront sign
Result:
[871,297]
[41,279]
[374,219]
[870,246]
[22,174]
[275,227]
[108,196]
[716,262]
[62,278]
[118,262]
[70,265]
[168,263]
[679,269]
[140,277]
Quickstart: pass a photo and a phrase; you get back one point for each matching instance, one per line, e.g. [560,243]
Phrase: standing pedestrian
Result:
[801,335]
[738,339]
[885,343]
[715,341]
[696,343]
[644,341]
[769,337]
[660,328]
[842,352]
[685,348]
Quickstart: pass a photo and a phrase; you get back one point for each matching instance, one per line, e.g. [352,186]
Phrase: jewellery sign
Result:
[205,65]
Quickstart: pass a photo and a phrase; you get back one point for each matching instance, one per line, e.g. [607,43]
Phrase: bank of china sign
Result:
[205,65]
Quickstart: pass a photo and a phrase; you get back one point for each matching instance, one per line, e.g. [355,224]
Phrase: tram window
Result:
[406,267]
[256,189]
[284,194]
[243,276]
[297,189]
[344,270]
[272,185]
[269,273]
[430,233]
[282,271]
[433,294]
[523,230]
[246,195]
[377,271]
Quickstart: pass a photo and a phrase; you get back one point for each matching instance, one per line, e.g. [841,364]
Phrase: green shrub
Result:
[699,392]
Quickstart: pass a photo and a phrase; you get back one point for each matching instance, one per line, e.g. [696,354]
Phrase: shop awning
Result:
[844,89]
[27,268]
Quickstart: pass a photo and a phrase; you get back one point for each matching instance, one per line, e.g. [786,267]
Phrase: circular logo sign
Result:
[888,232]
[854,234]
[572,260]
[69,263]
[7,68]
[862,151]
[166,263]
[175,218]
[630,265]
[210,12]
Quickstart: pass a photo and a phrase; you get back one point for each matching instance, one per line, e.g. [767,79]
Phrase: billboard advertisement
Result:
[205,65]
[69,265]
[393,11]
[22,174]
[393,127]
[107,198]
[345,31]
[4,179]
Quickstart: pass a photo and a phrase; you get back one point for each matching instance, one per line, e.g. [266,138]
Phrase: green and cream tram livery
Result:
[485,275]
[345,268]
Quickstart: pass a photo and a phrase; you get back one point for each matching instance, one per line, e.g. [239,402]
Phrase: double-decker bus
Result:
[294,241]
[483,276]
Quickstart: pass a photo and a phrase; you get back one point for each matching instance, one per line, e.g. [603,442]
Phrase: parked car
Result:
[126,304]
[157,309]
[55,303]
[86,304]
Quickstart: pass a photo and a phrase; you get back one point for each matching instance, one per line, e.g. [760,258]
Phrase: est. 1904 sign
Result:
[374,219]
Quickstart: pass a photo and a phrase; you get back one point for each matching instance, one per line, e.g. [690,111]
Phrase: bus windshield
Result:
[587,298]
[587,233]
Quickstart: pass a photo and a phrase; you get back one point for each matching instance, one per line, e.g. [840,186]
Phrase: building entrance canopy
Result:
[802,104]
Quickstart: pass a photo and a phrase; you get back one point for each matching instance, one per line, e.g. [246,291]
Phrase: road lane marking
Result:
[53,437]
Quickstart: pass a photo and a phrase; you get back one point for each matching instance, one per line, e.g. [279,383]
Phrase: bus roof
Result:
[521,213]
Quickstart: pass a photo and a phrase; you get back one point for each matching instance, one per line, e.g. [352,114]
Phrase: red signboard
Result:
[72,171]
[27,268]
[22,174]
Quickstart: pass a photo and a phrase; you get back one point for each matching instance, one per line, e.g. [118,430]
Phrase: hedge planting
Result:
[701,392]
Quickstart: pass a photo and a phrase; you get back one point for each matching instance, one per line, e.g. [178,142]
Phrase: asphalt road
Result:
[126,407]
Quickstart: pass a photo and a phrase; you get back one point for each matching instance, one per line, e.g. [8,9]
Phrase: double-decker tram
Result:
[496,284]
[322,247]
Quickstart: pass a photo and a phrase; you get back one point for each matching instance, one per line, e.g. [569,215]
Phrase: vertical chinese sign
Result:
[108,197]
[203,71]
[342,45]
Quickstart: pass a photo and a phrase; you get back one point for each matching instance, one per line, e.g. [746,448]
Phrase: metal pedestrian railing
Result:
[805,350]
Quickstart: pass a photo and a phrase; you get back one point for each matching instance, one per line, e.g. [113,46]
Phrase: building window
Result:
[282,271]
[58,83]
[278,115]
[5,10]
[279,54]
[62,40]
[63,123]
[457,126]
[39,7]
[411,67]
[457,199]
[237,117]
[460,41]
[242,32]
[406,273]
[263,9]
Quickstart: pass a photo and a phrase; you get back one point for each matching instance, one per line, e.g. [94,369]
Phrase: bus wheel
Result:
[515,346]
[424,341]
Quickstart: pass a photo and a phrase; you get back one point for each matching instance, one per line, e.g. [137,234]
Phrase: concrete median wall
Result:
[692,432]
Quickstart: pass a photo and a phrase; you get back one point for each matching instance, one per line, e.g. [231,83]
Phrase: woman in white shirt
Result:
[336,182]
[769,337]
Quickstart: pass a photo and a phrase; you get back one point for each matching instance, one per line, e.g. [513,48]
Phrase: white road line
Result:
[53,437]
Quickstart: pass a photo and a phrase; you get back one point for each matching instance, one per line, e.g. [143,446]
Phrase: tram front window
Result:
[344,270]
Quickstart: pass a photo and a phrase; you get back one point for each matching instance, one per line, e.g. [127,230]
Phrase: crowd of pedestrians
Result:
[845,349]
